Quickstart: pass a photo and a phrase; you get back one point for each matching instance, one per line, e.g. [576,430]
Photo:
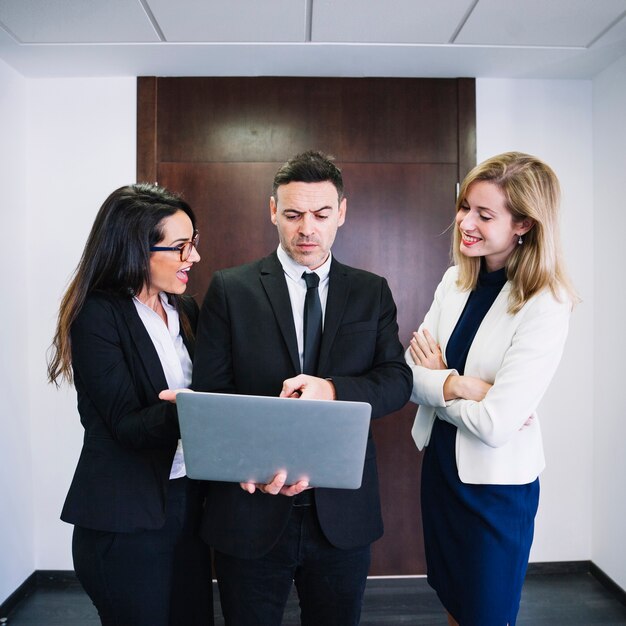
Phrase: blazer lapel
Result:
[145,348]
[495,317]
[455,302]
[338,291]
[275,286]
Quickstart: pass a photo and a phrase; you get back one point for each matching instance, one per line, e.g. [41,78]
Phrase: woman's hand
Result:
[425,351]
[465,388]
[170,394]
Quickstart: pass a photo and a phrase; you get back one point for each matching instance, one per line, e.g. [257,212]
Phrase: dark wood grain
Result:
[396,225]
[146,129]
[270,119]
[467,125]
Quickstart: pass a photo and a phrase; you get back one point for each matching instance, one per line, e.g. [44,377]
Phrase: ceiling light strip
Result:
[308,26]
[463,21]
[603,32]
[153,21]
[10,33]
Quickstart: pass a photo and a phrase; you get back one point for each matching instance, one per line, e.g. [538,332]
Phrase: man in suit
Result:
[260,333]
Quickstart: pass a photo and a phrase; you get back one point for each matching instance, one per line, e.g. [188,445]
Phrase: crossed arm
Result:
[425,351]
[495,412]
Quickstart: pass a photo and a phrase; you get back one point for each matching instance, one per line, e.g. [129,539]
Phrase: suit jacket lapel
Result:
[145,348]
[273,281]
[338,291]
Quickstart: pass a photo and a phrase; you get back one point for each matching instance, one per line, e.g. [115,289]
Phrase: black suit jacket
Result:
[130,436]
[247,344]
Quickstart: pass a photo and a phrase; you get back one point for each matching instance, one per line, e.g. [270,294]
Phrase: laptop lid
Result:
[239,438]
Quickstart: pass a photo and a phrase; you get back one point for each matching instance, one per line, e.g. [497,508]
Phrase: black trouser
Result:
[330,582]
[151,577]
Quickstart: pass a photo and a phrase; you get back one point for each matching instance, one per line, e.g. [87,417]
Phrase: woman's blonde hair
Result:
[531,190]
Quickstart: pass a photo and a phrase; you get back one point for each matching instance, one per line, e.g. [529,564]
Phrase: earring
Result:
[520,241]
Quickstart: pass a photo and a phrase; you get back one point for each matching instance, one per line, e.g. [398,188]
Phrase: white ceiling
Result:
[442,38]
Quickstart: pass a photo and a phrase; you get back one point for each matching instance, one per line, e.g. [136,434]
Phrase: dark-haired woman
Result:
[124,334]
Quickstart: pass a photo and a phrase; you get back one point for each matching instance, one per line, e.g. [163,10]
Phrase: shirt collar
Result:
[164,301]
[295,270]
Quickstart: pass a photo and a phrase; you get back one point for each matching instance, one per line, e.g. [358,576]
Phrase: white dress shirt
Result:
[173,355]
[297,292]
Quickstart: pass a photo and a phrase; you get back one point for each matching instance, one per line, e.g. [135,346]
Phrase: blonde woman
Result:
[482,360]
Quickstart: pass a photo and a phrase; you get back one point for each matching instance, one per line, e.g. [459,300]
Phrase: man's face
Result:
[307,216]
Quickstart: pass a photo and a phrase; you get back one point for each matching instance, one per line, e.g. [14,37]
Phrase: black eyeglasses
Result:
[184,248]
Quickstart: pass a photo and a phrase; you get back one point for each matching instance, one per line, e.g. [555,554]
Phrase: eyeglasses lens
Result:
[188,246]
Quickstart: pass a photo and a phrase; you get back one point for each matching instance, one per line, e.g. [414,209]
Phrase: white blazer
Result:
[518,354]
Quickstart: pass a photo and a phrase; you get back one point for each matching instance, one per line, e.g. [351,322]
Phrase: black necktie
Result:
[312,324]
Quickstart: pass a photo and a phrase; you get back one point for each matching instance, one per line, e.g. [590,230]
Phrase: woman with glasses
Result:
[125,333]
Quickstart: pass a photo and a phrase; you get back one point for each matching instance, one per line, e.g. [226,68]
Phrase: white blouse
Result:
[173,355]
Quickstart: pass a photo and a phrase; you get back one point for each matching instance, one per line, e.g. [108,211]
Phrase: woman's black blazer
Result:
[130,437]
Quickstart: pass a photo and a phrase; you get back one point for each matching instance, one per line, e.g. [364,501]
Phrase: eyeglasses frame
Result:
[193,243]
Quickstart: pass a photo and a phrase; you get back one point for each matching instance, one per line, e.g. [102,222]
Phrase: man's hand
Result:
[308,387]
[277,486]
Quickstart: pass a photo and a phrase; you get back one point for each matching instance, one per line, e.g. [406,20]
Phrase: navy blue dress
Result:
[477,537]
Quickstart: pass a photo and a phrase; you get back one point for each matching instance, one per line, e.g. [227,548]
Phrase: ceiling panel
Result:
[539,22]
[545,38]
[77,21]
[231,20]
[389,21]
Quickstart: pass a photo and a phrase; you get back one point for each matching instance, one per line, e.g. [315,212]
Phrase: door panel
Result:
[402,144]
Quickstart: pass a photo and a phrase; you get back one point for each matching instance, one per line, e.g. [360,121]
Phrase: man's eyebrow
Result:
[300,211]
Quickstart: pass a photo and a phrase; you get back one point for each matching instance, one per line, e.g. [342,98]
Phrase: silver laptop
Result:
[237,438]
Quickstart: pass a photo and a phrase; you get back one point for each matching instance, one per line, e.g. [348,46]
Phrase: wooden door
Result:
[402,145]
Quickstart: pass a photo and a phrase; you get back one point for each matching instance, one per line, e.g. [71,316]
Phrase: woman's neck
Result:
[152,299]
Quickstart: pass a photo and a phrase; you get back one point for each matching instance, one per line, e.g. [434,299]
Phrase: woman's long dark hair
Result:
[116,259]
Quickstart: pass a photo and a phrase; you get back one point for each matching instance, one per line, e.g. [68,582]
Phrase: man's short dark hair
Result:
[309,167]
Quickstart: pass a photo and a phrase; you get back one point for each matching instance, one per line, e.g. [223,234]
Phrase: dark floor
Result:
[555,599]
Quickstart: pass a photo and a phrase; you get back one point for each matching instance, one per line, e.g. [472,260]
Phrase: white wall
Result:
[553,120]
[16,480]
[81,143]
[609,490]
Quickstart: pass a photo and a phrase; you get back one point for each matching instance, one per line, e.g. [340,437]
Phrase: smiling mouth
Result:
[469,240]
